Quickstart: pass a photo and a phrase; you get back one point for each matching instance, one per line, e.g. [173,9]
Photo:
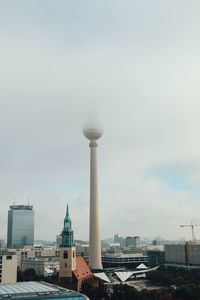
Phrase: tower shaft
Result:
[95,244]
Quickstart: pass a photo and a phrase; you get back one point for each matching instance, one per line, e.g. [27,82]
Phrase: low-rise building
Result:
[116,260]
[183,254]
[8,267]
[175,254]
[156,257]
[33,252]
[41,265]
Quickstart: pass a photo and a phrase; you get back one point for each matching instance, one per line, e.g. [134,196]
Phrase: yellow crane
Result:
[192,228]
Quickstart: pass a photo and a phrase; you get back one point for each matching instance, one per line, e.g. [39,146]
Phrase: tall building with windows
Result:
[20,229]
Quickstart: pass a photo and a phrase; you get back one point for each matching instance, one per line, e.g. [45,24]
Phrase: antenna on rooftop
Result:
[14,200]
[28,201]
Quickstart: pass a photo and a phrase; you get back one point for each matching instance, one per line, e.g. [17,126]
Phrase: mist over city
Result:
[136,66]
[120,75]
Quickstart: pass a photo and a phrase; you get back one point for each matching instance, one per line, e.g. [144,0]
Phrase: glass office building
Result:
[20,230]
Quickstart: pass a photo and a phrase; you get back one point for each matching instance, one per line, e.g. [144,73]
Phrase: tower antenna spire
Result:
[93,132]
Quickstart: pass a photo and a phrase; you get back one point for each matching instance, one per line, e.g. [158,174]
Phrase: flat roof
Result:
[33,289]
[23,207]
[123,255]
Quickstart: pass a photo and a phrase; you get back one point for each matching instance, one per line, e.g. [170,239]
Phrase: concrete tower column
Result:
[95,243]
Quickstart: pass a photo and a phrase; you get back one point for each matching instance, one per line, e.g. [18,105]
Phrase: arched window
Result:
[65,254]
[65,265]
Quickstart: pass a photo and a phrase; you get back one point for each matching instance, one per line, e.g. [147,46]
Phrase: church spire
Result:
[67,220]
[67,233]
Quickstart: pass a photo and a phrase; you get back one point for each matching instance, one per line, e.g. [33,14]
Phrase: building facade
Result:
[128,261]
[132,242]
[8,267]
[35,252]
[156,257]
[187,254]
[20,229]
[175,254]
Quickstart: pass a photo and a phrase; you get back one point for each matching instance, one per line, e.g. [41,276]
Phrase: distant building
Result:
[2,243]
[38,265]
[34,252]
[119,239]
[8,267]
[132,242]
[156,257]
[37,290]
[58,240]
[41,265]
[20,229]
[175,254]
[187,254]
[124,260]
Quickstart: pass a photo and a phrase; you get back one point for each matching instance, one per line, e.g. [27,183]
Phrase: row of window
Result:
[132,259]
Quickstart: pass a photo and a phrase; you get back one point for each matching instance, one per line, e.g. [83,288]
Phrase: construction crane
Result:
[192,228]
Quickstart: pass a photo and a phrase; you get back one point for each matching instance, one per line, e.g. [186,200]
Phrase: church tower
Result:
[67,257]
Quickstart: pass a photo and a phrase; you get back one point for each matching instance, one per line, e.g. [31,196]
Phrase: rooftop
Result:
[19,207]
[123,255]
[32,290]
[82,270]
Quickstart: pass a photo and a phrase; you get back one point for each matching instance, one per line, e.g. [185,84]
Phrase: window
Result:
[73,254]
[65,265]
[65,254]
[9,257]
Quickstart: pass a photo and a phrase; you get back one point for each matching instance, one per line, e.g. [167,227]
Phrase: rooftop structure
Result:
[37,290]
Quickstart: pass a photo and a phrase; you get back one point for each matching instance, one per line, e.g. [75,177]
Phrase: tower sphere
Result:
[92,133]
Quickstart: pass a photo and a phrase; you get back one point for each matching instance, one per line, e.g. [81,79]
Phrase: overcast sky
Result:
[136,64]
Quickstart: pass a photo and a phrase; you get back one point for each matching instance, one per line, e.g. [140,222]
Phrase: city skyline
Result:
[137,66]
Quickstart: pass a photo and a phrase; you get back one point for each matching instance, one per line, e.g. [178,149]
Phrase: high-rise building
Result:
[20,229]
[93,133]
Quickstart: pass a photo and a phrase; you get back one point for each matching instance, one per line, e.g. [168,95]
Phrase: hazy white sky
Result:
[136,64]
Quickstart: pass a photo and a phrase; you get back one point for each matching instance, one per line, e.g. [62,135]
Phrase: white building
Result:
[32,252]
[8,267]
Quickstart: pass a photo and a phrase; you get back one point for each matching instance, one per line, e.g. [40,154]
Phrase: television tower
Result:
[92,133]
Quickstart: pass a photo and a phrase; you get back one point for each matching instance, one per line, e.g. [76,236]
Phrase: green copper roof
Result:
[67,233]
[67,220]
